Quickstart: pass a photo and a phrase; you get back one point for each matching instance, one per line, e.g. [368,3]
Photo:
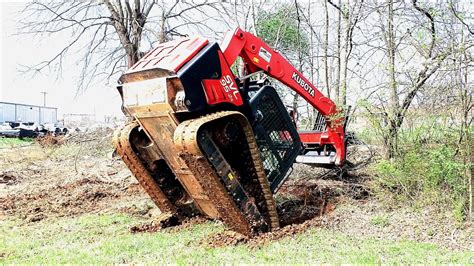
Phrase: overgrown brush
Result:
[428,171]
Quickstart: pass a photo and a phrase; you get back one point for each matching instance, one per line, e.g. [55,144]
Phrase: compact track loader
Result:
[203,141]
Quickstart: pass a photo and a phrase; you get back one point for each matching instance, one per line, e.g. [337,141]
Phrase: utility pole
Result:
[44,98]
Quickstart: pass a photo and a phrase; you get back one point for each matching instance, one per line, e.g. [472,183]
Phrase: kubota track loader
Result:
[202,140]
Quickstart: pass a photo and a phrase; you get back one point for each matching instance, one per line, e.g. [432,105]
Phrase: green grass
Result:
[380,220]
[107,239]
[13,142]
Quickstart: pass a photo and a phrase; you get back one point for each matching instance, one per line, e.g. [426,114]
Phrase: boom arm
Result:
[257,56]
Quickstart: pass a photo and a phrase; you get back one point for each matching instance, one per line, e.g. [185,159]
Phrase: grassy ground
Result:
[72,203]
[13,142]
[107,238]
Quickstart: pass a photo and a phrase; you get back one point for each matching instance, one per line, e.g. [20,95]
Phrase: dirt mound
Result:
[223,239]
[146,228]
[55,178]
[306,202]
[303,199]
[303,203]
[50,140]
[286,231]
[189,222]
[231,238]
[82,196]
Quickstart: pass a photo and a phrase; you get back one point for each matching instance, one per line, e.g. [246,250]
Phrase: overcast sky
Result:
[19,87]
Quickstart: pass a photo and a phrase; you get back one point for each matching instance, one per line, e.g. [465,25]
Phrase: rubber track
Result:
[185,136]
[121,141]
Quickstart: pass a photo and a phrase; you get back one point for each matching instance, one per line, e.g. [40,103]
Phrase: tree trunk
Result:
[162,37]
[347,22]
[312,112]
[325,47]
[132,57]
[393,113]
[470,176]
[338,54]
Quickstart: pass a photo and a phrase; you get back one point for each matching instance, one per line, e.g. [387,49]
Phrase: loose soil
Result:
[302,204]
[67,177]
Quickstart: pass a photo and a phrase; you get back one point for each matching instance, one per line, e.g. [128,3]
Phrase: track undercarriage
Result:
[221,172]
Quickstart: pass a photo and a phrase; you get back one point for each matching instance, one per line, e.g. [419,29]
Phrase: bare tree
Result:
[109,34]
[338,54]
[351,13]
[392,140]
[325,48]
[425,52]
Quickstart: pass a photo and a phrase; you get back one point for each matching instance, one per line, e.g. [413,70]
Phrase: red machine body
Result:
[224,89]
[257,56]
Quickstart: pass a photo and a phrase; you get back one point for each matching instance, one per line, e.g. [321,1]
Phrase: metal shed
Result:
[17,112]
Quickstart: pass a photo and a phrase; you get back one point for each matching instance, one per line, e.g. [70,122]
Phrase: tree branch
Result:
[432,25]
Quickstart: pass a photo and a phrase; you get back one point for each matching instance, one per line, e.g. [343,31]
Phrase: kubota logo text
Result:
[303,84]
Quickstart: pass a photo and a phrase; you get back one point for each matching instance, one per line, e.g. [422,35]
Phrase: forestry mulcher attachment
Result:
[203,141]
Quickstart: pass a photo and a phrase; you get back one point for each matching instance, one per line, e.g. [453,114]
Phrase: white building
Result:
[16,112]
